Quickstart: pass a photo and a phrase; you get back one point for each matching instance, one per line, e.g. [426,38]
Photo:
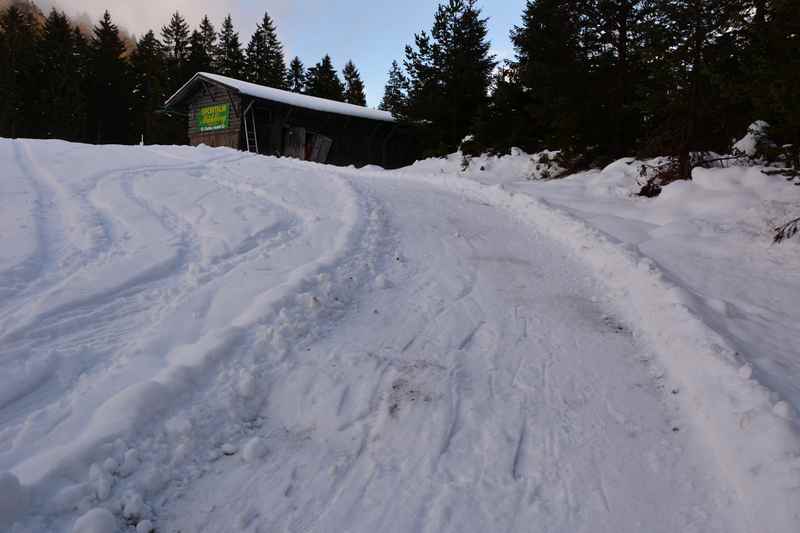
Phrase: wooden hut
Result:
[224,111]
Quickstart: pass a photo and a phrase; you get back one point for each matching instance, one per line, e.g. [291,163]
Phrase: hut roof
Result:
[281,96]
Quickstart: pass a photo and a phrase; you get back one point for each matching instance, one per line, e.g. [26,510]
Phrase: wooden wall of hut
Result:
[208,94]
[355,141]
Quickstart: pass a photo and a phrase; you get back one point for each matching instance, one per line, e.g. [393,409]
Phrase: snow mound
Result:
[98,520]
[254,450]
[492,169]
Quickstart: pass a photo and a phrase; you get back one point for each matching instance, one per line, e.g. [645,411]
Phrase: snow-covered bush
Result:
[756,144]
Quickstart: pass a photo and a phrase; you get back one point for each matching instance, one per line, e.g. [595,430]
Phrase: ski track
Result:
[411,358]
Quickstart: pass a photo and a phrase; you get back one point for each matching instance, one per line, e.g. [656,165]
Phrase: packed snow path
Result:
[207,340]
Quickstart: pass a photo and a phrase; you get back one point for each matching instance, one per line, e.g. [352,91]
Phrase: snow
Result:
[198,339]
[145,526]
[97,520]
[496,168]
[255,449]
[748,145]
[13,499]
[287,97]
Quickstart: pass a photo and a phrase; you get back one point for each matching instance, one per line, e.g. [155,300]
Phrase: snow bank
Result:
[754,441]
[511,167]
[97,520]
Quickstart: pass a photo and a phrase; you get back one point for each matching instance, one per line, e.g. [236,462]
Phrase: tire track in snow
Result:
[329,279]
[104,321]
[18,277]
[71,248]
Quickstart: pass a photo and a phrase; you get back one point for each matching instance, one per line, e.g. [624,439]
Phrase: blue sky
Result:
[370,32]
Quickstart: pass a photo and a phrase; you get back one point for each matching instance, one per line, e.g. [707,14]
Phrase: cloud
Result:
[141,15]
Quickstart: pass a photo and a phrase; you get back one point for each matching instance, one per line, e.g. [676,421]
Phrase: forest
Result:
[57,81]
[595,79]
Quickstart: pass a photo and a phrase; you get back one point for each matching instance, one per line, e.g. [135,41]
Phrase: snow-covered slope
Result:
[198,339]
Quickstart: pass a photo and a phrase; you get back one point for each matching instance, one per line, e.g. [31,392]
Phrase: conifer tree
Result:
[323,81]
[18,69]
[176,46]
[199,60]
[551,74]
[775,78]
[108,88]
[354,86]
[202,47]
[80,53]
[394,95]
[450,72]
[150,91]
[208,39]
[296,77]
[613,34]
[265,63]
[230,60]
[59,98]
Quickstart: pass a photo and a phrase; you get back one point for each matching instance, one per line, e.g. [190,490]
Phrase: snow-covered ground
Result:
[197,339]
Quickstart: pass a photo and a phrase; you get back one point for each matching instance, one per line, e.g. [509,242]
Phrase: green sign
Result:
[214,117]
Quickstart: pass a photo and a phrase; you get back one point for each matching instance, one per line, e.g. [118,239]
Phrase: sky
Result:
[370,32]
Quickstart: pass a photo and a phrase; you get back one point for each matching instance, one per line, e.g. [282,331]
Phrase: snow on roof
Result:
[285,97]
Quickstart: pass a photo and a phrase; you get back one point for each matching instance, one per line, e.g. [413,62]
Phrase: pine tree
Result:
[265,63]
[202,48]
[322,81]
[773,84]
[354,87]
[691,30]
[296,77]
[230,60]
[150,88]
[176,46]
[18,69]
[613,34]
[450,72]
[551,73]
[198,61]
[394,95]
[80,54]
[60,101]
[108,90]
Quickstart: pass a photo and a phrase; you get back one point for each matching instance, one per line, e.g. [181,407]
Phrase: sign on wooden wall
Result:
[214,117]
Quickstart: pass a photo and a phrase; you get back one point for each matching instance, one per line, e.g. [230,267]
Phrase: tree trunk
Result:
[698,38]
